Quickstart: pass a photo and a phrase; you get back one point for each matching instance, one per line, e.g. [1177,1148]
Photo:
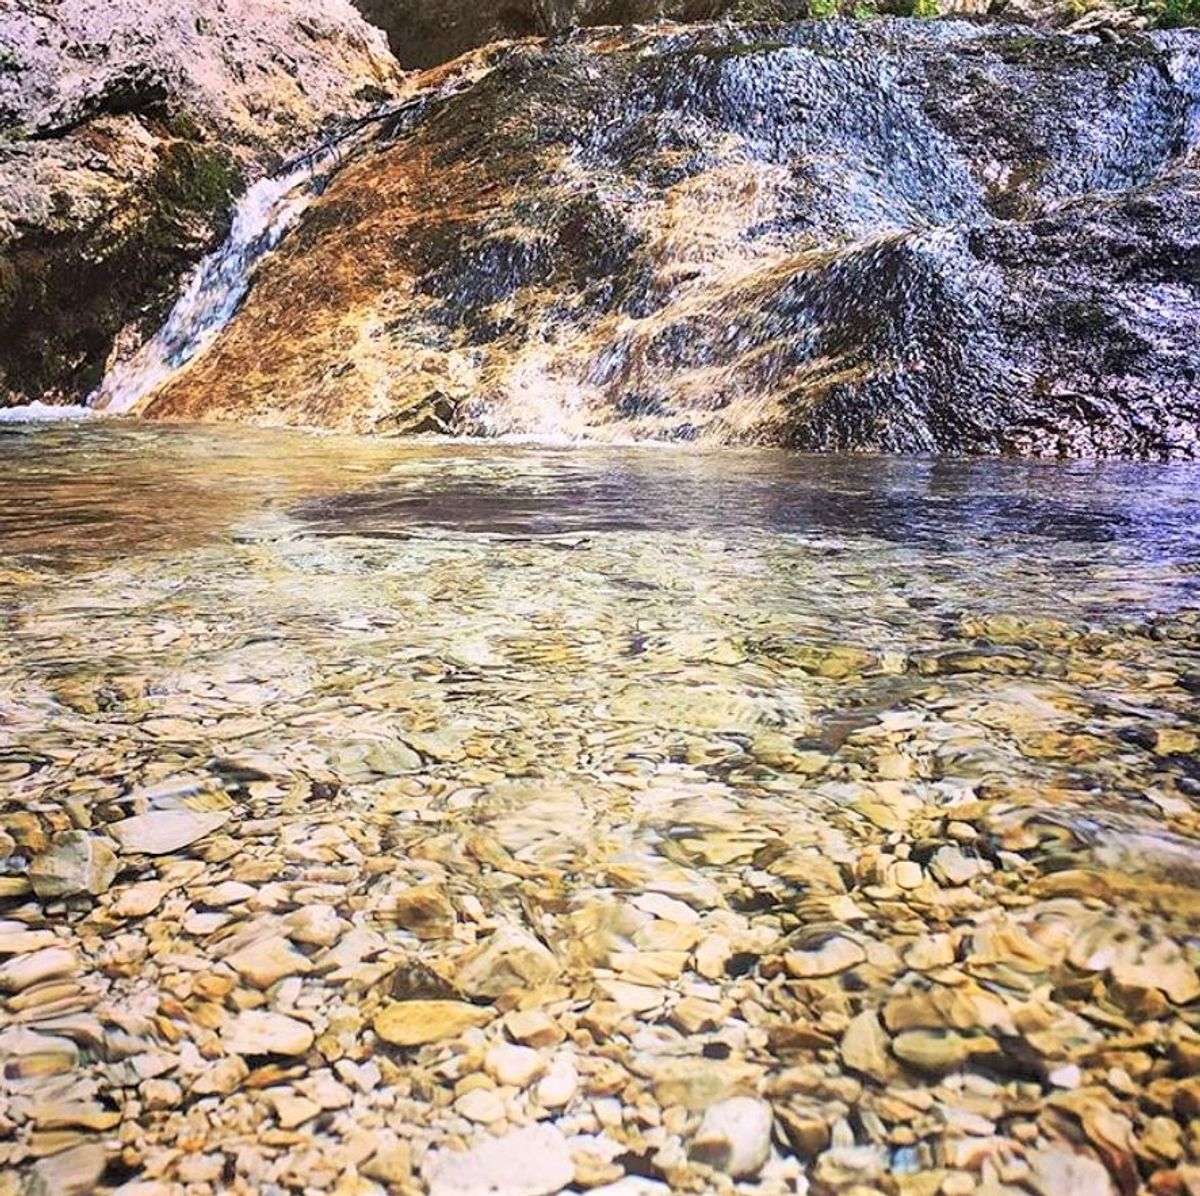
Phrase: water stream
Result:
[689,729]
[261,219]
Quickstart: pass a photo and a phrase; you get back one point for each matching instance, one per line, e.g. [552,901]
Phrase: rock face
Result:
[888,235]
[126,130]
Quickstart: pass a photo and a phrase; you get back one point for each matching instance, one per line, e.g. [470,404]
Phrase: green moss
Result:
[1176,13]
[10,61]
[821,9]
[926,9]
[198,178]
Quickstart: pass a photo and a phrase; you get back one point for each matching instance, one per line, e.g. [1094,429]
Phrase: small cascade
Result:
[261,219]
[219,283]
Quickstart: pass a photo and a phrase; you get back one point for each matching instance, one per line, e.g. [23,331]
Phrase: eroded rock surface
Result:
[126,131]
[892,235]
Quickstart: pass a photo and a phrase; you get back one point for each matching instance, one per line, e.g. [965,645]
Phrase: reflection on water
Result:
[657,710]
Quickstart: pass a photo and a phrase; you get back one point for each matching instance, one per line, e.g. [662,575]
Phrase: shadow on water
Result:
[938,505]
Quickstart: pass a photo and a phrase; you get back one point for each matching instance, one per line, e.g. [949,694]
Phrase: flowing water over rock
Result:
[218,285]
[891,235]
[379,813]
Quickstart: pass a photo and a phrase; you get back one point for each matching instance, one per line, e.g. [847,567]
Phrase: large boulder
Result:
[894,235]
[126,131]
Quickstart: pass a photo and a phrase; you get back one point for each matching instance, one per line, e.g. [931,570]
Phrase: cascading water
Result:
[263,215]
[261,219]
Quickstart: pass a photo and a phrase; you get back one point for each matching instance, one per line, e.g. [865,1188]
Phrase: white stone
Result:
[735,1136]
[163,831]
[517,1066]
[483,1105]
[559,1086]
[532,1161]
[255,1032]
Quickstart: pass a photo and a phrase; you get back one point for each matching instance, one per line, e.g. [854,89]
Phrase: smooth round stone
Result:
[516,1066]
[482,1105]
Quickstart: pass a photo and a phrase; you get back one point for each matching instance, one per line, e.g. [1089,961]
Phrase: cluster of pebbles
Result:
[457,865]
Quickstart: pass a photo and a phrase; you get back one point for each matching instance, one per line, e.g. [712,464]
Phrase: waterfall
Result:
[219,283]
[261,219]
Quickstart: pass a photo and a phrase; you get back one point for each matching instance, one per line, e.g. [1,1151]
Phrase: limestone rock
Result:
[510,958]
[256,1032]
[866,1047]
[161,832]
[532,1161]
[735,1137]
[119,167]
[825,957]
[26,971]
[74,1172]
[139,900]
[413,1023]
[267,961]
[76,862]
[1011,251]
[515,1065]
[1059,1171]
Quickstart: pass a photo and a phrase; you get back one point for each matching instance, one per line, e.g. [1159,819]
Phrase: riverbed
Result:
[395,813]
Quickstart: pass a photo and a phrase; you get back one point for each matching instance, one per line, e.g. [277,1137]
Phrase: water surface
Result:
[544,681]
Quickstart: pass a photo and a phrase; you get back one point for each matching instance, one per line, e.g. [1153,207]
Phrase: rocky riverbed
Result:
[381,818]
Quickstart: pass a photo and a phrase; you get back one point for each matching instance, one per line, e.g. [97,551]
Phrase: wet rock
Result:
[425,910]
[534,1028]
[119,168]
[256,1032]
[735,1137]
[267,961]
[951,867]
[76,862]
[413,1023]
[316,925]
[824,956]
[1059,1171]
[999,134]
[533,1161]
[26,971]
[74,1172]
[139,900]
[938,1052]
[163,831]
[510,958]
[866,1047]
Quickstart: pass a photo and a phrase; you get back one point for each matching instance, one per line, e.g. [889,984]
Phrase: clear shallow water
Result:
[542,679]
